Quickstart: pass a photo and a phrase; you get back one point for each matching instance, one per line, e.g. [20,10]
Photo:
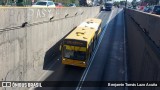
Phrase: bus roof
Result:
[91,23]
[82,34]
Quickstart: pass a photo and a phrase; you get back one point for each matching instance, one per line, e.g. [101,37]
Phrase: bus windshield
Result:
[75,55]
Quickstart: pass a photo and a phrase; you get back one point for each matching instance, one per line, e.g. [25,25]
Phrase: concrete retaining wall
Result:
[149,22]
[23,49]
[143,32]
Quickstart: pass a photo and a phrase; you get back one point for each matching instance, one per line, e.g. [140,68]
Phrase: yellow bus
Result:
[77,47]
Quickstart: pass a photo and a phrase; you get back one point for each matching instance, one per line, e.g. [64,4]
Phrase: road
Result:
[108,62]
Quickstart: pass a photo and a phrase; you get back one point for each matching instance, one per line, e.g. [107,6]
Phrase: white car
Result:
[44,4]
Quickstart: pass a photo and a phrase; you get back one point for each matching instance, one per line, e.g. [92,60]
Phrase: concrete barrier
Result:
[143,33]
[149,22]
[26,34]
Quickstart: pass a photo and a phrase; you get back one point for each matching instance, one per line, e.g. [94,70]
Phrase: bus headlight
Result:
[63,59]
[83,62]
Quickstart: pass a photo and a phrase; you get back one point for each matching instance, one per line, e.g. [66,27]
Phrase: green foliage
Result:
[65,1]
[134,3]
[116,3]
[122,2]
[72,1]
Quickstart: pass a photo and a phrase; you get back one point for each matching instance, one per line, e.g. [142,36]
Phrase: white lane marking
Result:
[125,57]
[93,55]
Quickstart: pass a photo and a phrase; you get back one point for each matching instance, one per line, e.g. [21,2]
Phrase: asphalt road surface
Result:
[107,64]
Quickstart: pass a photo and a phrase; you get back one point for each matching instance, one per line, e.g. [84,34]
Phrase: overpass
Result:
[128,48]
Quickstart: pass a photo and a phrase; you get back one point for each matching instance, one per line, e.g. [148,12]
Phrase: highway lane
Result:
[60,72]
[109,63]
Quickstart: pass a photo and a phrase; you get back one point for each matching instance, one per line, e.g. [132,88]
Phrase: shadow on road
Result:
[52,55]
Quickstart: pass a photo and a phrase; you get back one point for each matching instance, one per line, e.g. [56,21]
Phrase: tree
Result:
[122,2]
[134,3]
[4,2]
[66,1]
[72,1]
[116,3]
[82,2]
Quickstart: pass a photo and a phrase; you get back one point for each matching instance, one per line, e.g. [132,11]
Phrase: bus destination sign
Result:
[75,43]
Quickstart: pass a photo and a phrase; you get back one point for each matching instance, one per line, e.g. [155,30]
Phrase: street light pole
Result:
[126,4]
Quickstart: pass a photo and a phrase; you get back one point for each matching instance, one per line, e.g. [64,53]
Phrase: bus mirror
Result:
[60,47]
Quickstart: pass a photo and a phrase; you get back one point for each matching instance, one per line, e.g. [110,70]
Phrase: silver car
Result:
[44,4]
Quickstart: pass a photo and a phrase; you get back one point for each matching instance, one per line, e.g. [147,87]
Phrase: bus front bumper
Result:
[74,62]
